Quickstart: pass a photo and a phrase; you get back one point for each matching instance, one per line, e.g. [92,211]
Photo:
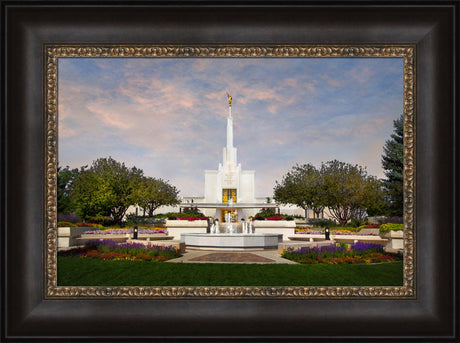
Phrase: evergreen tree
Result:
[392,163]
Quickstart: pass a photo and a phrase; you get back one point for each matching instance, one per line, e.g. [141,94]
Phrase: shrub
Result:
[71,218]
[395,220]
[132,219]
[391,227]
[184,214]
[320,222]
[369,226]
[266,212]
[68,224]
[354,223]
[103,220]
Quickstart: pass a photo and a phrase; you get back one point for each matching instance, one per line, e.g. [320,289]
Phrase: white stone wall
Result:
[246,191]
[210,185]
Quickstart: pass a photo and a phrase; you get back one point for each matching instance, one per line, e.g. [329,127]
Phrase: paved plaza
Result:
[222,256]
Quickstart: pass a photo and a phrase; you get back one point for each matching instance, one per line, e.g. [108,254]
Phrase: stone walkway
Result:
[214,256]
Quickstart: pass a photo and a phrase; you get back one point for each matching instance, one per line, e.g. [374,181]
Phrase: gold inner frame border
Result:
[53,52]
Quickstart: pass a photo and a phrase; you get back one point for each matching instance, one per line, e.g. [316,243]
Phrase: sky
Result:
[168,116]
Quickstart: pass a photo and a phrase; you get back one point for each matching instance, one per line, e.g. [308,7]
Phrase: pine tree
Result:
[392,163]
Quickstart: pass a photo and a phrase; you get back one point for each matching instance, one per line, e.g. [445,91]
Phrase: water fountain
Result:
[231,236]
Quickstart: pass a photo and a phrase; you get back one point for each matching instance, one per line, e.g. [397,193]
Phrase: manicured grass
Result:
[94,272]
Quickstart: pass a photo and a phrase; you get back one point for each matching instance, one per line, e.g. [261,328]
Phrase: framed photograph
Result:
[78,84]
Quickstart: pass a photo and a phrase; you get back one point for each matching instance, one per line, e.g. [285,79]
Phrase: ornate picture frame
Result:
[35,308]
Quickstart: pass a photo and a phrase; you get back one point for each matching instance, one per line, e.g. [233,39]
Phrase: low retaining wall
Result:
[297,245]
[169,243]
[395,240]
[176,227]
[122,237]
[340,238]
[284,227]
[68,236]
[391,241]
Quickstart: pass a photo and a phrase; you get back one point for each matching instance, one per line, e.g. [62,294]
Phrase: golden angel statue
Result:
[229,99]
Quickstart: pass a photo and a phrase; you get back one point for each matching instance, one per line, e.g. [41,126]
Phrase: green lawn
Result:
[93,272]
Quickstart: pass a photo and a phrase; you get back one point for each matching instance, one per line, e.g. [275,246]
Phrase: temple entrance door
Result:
[234,215]
[229,194]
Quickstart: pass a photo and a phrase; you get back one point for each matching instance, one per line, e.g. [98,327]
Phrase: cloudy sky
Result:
[167,116]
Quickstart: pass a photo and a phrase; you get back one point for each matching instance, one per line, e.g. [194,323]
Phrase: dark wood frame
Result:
[28,26]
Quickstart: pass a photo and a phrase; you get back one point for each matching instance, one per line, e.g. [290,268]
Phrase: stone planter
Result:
[284,227]
[176,227]
[395,240]
[165,243]
[69,236]
[186,223]
[274,223]
[122,237]
[393,234]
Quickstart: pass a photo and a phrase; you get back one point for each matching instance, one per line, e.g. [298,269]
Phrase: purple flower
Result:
[360,246]
[124,232]
[71,218]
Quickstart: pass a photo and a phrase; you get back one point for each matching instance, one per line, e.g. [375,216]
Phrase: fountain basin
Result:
[231,241]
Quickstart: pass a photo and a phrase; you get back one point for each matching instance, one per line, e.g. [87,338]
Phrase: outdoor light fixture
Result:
[326,234]
[135,232]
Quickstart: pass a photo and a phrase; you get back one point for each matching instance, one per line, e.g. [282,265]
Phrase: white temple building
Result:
[229,188]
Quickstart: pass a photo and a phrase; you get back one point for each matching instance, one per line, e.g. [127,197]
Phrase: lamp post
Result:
[326,234]
[135,231]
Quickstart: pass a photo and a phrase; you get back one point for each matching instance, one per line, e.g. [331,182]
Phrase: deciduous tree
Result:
[345,189]
[108,187]
[155,193]
[65,179]
[349,191]
[302,186]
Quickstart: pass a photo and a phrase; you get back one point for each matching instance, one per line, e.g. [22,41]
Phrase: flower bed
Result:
[391,227]
[111,250]
[69,224]
[337,232]
[357,253]
[188,218]
[281,217]
[369,226]
[125,231]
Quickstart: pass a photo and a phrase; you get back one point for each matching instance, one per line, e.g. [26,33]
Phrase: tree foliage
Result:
[155,193]
[392,163]
[107,188]
[345,189]
[301,186]
[65,179]
[349,191]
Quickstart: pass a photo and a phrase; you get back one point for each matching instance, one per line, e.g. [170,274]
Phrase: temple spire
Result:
[229,123]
